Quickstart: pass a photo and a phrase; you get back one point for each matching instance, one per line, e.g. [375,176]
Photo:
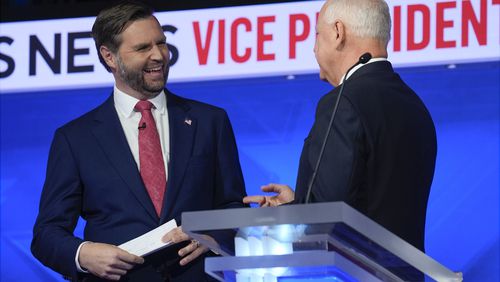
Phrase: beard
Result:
[135,80]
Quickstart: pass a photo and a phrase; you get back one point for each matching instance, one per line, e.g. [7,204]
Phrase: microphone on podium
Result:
[362,60]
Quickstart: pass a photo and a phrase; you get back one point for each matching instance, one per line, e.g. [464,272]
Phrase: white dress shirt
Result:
[129,119]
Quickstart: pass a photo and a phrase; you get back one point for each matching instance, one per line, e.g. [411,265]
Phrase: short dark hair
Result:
[111,22]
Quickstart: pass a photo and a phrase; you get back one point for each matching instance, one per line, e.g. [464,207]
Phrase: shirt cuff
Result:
[78,267]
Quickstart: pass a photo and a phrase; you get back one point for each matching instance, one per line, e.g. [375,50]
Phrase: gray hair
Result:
[365,18]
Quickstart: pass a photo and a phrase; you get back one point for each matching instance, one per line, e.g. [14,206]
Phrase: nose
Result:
[159,53]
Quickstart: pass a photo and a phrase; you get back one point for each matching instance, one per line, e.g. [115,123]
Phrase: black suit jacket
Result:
[380,154]
[91,173]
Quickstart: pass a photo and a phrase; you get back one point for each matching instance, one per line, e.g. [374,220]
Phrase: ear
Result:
[339,30]
[108,57]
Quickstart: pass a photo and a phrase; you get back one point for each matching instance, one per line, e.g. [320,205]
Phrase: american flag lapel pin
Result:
[188,121]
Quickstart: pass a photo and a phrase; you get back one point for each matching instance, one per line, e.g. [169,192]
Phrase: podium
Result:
[320,242]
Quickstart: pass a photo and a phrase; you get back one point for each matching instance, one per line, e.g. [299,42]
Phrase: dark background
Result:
[24,10]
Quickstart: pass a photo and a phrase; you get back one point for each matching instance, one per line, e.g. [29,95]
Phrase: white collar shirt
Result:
[129,119]
[372,60]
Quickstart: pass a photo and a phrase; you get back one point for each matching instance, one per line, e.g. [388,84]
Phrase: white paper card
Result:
[149,242]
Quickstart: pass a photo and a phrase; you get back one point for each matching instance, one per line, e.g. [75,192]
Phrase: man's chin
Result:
[156,87]
[153,92]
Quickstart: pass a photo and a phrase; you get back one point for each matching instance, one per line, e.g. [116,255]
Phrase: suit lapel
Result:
[182,129]
[110,135]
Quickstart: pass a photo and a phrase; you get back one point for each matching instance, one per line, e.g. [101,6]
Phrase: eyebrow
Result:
[141,46]
[146,45]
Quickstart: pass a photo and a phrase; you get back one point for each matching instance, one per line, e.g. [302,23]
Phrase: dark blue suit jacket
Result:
[380,154]
[91,173]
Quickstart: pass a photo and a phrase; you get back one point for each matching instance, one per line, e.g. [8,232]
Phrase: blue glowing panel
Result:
[326,278]
[334,275]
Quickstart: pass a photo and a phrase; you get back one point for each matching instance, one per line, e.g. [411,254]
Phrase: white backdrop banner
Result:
[247,41]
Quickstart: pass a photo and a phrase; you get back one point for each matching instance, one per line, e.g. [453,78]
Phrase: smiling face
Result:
[140,66]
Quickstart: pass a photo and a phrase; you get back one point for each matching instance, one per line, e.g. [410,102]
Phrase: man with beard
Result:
[135,162]
[381,150]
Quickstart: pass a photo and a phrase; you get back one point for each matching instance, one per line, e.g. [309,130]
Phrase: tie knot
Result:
[143,106]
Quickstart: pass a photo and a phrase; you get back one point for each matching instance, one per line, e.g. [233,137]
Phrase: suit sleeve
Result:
[230,187]
[60,204]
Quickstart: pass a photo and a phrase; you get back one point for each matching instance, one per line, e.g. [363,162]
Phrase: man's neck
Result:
[358,47]
[353,70]
[136,94]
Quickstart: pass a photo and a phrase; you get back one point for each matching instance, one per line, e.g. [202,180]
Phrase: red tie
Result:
[152,166]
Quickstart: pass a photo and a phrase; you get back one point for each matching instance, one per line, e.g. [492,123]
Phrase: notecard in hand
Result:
[149,242]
